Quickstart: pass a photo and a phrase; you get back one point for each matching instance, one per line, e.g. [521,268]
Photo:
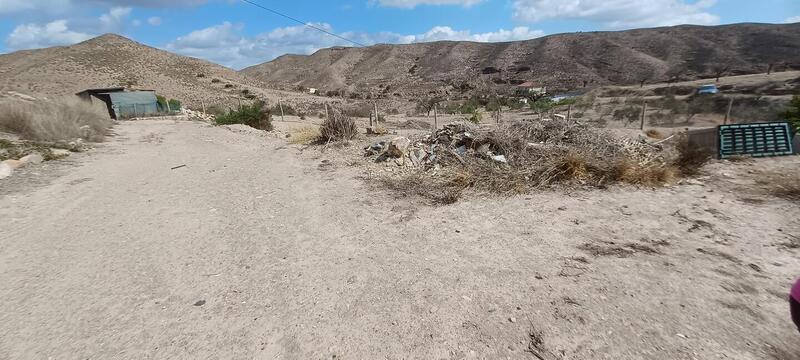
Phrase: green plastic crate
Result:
[756,140]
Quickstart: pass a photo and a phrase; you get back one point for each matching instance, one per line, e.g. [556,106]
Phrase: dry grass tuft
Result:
[305,135]
[786,188]
[62,119]
[653,175]
[439,191]
[655,134]
[380,130]
[338,126]
[691,159]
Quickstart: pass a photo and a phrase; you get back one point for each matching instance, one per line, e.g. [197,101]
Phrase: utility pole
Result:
[728,113]
[281,106]
[644,111]
[203,104]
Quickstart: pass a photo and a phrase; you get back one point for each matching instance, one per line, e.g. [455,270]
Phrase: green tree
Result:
[792,114]
[542,105]
[174,105]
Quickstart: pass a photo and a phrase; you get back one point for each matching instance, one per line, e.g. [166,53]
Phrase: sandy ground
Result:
[258,249]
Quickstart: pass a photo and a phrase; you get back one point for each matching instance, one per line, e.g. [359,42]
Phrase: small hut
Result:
[122,103]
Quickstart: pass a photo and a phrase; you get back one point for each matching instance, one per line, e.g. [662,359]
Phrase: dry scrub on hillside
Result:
[62,119]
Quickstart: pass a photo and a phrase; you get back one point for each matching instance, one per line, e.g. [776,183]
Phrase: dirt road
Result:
[256,250]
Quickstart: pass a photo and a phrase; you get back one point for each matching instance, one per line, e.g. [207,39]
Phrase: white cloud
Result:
[29,36]
[20,6]
[792,20]
[154,20]
[136,22]
[410,4]
[226,45]
[618,14]
[60,32]
[113,21]
[447,33]
[151,3]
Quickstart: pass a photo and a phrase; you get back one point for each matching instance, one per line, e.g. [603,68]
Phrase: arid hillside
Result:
[566,61]
[113,60]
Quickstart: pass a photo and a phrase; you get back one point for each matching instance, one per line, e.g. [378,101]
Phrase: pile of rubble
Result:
[453,139]
[197,115]
[523,141]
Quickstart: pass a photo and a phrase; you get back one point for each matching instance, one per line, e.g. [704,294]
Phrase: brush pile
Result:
[519,156]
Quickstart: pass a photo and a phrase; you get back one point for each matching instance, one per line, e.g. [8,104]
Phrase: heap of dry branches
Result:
[536,154]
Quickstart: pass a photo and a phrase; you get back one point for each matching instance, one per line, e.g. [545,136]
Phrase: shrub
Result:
[542,105]
[174,105]
[690,159]
[338,126]
[304,135]
[792,114]
[287,109]
[494,104]
[627,114]
[654,134]
[228,86]
[201,75]
[215,81]
[256,116]
[362,110]
[61,119]
[469,107]
[475,117]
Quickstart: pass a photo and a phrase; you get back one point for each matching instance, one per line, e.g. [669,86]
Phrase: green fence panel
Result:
[756,140]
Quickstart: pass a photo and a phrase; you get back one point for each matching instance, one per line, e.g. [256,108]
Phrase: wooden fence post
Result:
[435,119]
[281,106]
[569,113]
[728,113]
[644,112]
[327,117]
[377,117]
[203,104]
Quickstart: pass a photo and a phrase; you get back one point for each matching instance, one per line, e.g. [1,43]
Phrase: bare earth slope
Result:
[113,60]
[259,250]
[561,61]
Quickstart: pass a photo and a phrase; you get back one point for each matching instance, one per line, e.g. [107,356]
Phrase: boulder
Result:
[34,158]
[398,147]
[14,164]
[60,152]
[5,170]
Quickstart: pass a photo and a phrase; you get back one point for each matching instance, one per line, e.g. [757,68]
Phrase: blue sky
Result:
[237,34]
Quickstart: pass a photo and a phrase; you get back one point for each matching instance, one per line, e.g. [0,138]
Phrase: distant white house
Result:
[312,90]
[529,88]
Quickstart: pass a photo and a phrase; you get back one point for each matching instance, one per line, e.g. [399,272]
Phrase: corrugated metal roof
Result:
[133,97]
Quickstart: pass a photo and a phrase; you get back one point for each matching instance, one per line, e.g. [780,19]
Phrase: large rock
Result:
[7,167]
[398,147]
[5,170]
[14,164]
[34,158]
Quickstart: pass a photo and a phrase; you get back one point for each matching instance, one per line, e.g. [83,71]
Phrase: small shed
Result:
[529,88]
[121,103]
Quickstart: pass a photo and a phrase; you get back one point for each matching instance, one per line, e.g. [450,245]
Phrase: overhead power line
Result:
[303,23]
